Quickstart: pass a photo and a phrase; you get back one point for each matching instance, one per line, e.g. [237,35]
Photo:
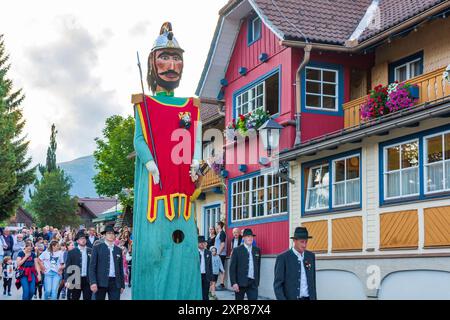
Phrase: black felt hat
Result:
[109,229]
[80,234]
[248,232]
[301,233]
[201,239]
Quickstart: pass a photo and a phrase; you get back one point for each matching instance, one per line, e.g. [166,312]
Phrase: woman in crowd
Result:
[212,238]
[39,249]
[29,270]
[54,265]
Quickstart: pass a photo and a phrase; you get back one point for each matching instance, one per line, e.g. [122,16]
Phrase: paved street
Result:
[17,294]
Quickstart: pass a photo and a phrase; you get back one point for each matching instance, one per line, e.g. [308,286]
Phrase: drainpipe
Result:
[306,56]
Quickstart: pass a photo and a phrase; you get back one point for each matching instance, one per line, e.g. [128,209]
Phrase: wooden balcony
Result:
[211,179]
[432,86]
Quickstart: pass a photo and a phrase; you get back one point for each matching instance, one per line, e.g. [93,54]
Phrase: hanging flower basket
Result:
[246,125]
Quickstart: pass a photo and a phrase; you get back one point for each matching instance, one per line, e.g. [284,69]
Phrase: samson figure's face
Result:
[166,69]
[169,65]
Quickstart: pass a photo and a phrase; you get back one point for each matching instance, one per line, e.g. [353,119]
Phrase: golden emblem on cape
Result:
[185,119]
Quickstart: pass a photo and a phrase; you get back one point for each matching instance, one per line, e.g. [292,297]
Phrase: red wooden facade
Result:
[273,237]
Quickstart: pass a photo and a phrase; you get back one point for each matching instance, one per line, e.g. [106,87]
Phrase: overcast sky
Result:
[76,61]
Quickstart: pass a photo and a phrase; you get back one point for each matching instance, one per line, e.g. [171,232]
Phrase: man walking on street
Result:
[245,268]
[205,266]
[77,264]
[9,243]
[106,268]
[91,239]
[295,270]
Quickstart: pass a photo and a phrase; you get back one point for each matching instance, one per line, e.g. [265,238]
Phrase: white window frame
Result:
[252,216]
[321,95]
[385,172]
[426,164]
[212,219]
[345,181]
[254,38]
[322,186]
[251,99]
[408,69]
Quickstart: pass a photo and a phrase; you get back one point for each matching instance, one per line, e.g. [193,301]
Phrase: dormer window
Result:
[254,29]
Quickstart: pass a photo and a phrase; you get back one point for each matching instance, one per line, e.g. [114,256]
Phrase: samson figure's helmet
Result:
[165,40]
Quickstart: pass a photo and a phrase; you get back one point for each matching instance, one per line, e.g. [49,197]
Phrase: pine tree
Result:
[15,173]
[50,163]
[51,203]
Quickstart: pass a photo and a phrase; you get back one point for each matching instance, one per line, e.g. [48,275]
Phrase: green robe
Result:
[162,269]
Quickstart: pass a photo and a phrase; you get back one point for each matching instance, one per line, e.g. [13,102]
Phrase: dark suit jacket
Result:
[74,259]
[239,265]
[287,275]
[232,241]
[99,266]
[208,263]
[89,244]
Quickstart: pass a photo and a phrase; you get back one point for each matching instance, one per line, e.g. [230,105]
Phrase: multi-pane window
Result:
[317,194]
[259,196]
[321,89]
[346,181]
[408,70]
[263,95]
[401,170]
[250,100]
[437,163]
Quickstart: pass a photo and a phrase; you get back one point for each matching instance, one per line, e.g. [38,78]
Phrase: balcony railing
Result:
[432,86]
[211,179]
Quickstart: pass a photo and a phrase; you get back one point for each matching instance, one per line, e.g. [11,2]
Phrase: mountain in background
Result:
[82,171]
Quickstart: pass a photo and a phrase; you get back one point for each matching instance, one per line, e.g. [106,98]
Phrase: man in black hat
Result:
[295,270]
[245,266]
[106,268]
[205,266]
[76,273]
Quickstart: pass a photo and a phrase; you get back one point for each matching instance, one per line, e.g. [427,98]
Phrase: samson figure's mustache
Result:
[169,72]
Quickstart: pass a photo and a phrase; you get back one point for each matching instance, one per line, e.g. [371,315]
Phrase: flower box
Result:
[414,92]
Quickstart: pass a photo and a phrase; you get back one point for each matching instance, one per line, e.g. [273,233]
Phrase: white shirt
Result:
[112,271]
[303,281]
[235,242]
[52,261]
[91,239]
[83,261]
[202,261]
[251,271]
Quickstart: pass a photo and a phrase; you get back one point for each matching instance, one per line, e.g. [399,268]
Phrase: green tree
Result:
[15,173]
[115,169]
[51,203]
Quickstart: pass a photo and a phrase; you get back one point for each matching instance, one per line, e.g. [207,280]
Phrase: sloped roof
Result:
[332,22]
[209,111]
[97,205]
[319,21]
[393,12]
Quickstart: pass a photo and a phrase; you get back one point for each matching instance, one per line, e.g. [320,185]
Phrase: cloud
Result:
[140,28]
[65,70]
